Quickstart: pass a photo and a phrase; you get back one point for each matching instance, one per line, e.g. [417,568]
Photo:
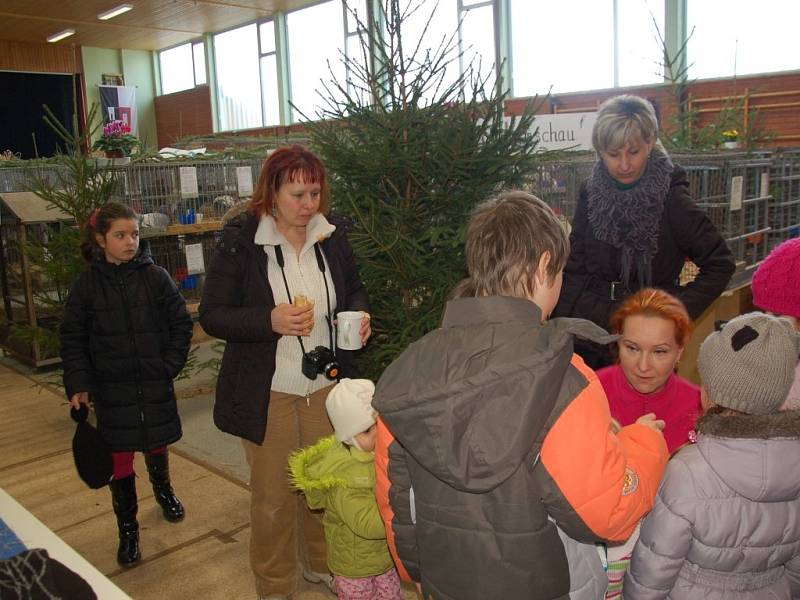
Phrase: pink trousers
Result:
[377,587]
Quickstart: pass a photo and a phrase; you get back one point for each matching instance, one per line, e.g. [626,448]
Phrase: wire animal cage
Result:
[785,190]
[558,184]
[28,293]
[733,189]
[175,194]
[181,205]
[170,252]
[734,193]
[15,179]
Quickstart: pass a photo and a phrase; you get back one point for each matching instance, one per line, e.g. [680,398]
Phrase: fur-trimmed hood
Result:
[757,456]
[328,464]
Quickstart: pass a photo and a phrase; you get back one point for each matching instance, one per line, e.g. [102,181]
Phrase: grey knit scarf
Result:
[630,219]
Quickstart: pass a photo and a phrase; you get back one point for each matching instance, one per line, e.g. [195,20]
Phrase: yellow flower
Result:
[730,135]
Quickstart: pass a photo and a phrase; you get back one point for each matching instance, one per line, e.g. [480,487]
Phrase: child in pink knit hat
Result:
[776,288]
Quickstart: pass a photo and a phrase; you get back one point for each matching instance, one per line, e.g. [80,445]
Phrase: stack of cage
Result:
[170,252]
[33,289]
[785,189]
[558,183]
[712,181]
[157,189]
[17,178]
[173,216]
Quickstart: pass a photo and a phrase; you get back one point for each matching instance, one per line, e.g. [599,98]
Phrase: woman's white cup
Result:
[348,324]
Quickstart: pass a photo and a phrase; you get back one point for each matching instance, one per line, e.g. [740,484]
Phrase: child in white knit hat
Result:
[726,523]
[337,474]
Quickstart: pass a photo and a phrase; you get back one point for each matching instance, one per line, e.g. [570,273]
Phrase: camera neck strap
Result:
[321,265]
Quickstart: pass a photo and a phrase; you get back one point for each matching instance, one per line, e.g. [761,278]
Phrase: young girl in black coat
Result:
[125,335]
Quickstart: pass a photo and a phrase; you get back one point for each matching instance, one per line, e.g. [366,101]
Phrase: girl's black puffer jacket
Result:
[126,334]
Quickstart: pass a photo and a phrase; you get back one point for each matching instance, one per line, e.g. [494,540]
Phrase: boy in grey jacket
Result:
[726,524]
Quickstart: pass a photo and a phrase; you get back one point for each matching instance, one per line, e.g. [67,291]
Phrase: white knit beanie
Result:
[749,365]
[349,406]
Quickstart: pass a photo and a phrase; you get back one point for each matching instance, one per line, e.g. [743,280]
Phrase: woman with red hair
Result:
[279,276]
[654,328]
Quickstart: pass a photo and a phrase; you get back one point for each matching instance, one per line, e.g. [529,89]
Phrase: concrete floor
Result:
[205,556]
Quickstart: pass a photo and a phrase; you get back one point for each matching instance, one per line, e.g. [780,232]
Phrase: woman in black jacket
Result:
[635,225]
[278,364]
[124,337]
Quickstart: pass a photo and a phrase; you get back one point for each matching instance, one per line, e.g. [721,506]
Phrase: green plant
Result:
[55,263]
[410,157]
[116,137]
[74,183]
[683,130]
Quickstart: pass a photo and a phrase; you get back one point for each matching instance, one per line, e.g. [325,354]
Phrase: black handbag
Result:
[90,451]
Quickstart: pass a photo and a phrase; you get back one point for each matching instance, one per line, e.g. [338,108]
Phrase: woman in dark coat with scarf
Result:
[635,225]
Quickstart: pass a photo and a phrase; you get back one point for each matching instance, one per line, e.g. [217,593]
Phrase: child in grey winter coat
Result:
[726,524]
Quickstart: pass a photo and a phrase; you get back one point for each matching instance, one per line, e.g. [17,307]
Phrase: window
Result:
[477,41]
[270,98]
[442,26]
[357,20]
[551,47]
[640,50]
[316,46]
[737,37]
[239,101]
[182,67]
[568,45]
[199,54]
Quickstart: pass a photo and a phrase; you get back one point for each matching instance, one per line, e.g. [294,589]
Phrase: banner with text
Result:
[565,131]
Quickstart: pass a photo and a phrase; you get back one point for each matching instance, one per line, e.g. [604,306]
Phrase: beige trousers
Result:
[278,513]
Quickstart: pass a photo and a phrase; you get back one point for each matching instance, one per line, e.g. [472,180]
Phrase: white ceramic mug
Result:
[348,325]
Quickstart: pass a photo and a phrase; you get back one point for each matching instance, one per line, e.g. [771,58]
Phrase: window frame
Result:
[191,44]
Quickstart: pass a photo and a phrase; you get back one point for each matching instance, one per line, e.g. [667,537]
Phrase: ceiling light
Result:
[57,37]
[114,12]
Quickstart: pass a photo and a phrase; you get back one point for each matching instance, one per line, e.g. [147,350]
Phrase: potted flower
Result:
[117,140]
[730,139]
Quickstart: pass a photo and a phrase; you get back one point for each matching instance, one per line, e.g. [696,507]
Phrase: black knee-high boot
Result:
[158,468]
[123,498]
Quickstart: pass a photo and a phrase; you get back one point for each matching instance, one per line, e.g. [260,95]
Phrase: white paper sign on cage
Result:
[188,177]
[194,259]
[737,192]
[244,181]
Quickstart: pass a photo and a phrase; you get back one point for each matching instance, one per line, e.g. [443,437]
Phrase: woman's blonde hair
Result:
[622,118]
[506,237]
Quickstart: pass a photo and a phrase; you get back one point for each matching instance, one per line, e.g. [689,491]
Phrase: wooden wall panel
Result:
[183,113]
[39,58]
[775,98]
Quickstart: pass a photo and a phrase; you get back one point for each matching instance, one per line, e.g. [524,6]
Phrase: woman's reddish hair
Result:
[288,164]
[651,302]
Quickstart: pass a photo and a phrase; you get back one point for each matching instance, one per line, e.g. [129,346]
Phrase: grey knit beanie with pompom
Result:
[749,365]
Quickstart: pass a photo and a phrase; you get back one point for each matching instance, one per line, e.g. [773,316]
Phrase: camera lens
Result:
[332,370]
